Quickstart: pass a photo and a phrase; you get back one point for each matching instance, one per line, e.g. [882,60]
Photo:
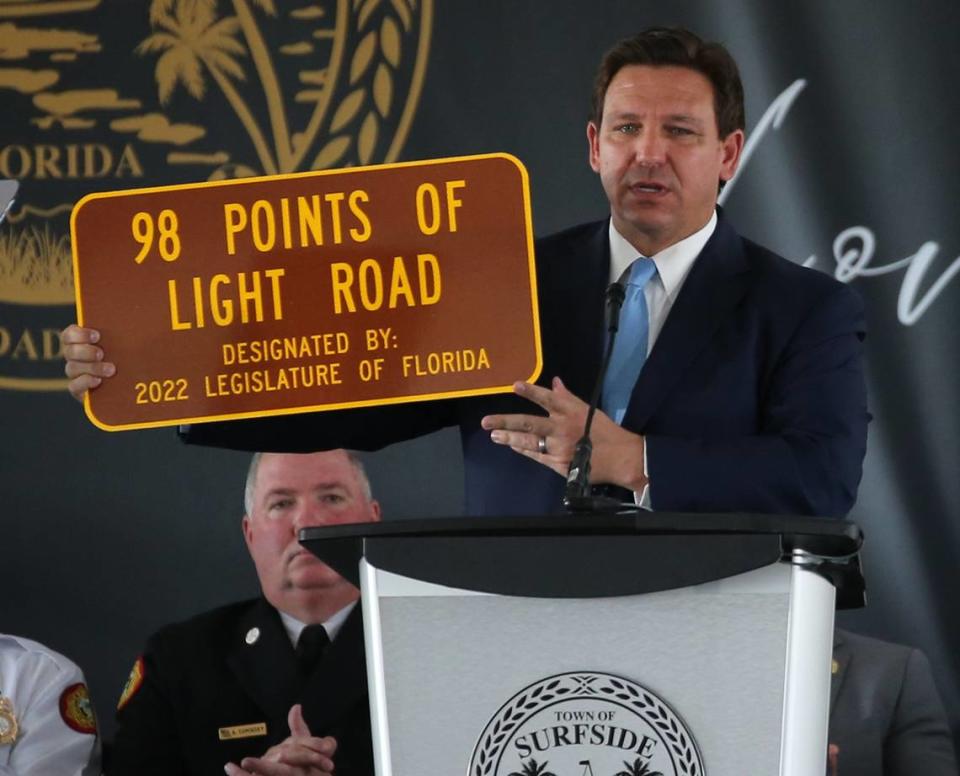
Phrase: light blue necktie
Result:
[630,349]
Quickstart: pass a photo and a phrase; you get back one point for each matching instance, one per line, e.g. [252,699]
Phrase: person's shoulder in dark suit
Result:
[217,688]
[886,716]
[207,631]
[165,709]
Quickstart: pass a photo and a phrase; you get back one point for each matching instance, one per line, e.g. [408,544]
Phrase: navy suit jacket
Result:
[752,399]
[885,714]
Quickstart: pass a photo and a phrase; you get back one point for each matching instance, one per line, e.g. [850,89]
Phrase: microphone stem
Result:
[578,475]
[595,398]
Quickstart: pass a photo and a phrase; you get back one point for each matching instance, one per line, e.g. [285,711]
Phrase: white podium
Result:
[599,645]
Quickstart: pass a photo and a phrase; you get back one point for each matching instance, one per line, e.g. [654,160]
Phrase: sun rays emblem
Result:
[107,94]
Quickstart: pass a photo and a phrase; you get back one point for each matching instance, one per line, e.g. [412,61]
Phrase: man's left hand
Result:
[617,454]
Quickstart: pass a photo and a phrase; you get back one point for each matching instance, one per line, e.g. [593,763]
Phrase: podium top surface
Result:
[639,551]
[817,535]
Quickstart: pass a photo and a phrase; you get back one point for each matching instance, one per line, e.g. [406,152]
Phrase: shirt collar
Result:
[673,263]
[332,626]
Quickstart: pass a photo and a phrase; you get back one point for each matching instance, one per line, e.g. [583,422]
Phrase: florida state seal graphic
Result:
[101,95]
[586,724]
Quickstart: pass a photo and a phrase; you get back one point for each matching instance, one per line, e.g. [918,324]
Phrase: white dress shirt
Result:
[673,265]
[293,626]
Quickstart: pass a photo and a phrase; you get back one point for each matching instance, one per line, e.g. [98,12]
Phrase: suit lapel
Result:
[716,284]
[266,668]
[572,276]
[339,682]
[595,314]
[838,668]
[571,283]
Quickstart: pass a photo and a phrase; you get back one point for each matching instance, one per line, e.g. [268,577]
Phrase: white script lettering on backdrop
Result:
[854,248]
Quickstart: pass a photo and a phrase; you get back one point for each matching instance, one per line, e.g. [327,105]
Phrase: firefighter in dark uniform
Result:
[273,685]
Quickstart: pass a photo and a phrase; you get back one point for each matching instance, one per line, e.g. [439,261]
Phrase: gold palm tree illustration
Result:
[170,15]
[191,36]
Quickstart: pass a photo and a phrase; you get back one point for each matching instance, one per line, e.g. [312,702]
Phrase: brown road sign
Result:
[314,291]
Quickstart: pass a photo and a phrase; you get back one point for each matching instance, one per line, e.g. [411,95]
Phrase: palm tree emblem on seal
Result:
[113,94]
[638,768]
[345,111]
[532,768]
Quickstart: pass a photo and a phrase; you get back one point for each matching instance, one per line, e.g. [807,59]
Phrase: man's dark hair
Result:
[675,46]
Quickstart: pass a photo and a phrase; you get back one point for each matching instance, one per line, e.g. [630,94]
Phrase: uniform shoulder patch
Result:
[76,709]
[8,722]
[134,683]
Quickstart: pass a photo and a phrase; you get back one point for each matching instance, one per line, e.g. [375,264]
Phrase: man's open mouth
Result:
[648,188]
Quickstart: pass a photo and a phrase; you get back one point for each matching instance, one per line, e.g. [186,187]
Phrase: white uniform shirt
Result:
[35,680]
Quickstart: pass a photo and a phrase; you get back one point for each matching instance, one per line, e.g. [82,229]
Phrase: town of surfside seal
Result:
[585,724]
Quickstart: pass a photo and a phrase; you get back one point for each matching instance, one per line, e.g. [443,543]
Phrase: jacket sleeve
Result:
[146,742]
[368,428]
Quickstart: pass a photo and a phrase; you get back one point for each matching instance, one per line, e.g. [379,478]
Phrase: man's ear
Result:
[732,146]
[593,140]
[247,529]
[376,511]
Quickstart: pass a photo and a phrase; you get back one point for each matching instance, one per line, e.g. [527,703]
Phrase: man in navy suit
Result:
[752,397]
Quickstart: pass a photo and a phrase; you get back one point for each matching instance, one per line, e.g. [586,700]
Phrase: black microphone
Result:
[576,497]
